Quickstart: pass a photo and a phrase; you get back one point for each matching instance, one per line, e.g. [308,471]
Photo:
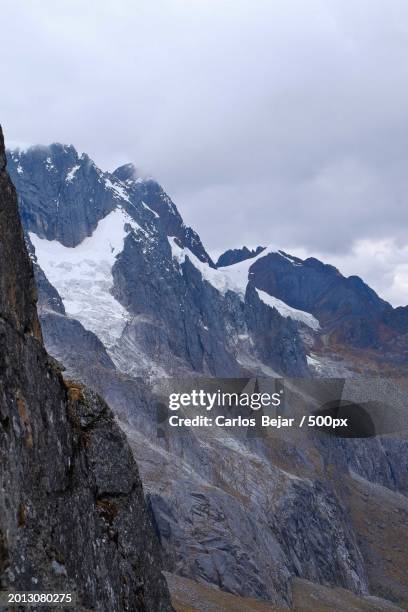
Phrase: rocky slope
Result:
[72,511]
[138,295]
[189,596]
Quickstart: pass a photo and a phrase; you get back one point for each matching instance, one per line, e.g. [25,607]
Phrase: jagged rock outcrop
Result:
[233,256]
[72,511]
[150,193]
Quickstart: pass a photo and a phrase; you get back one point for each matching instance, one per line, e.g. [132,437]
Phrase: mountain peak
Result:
[65,195]
[127,172]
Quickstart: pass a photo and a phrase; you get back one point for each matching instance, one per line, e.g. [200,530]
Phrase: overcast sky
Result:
[267,121]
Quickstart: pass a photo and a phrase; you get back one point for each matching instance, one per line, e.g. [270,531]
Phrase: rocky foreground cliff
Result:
[72,511]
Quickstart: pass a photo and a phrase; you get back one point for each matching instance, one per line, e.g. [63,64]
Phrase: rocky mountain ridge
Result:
[65,198]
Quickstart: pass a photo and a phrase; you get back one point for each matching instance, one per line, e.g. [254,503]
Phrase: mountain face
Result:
[72,512]
[354,321]
[149,193]
[133,297]
[316,287]
[135,263]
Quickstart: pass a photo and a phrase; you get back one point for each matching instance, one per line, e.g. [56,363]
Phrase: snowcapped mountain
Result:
[357,331]
[116,250]
[126,290]
[114,246]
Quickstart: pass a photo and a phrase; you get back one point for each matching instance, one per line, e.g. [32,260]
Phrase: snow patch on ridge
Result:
[70,175]
[235,278]
[287,311]
[49,165]
[231,278]
[118,190]
[313,362]
[217,279]
[150,210]
[289,258]
[83,275]
[239,272]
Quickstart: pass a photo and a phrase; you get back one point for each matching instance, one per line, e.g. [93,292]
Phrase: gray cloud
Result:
[280,122]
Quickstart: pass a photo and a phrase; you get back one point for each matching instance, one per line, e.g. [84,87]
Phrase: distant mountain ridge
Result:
[351,314]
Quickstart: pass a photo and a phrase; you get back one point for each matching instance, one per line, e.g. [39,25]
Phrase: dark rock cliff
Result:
[56,209]
[72,511]
[315,287]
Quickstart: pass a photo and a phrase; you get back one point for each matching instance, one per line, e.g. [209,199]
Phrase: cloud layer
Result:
[280,122]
